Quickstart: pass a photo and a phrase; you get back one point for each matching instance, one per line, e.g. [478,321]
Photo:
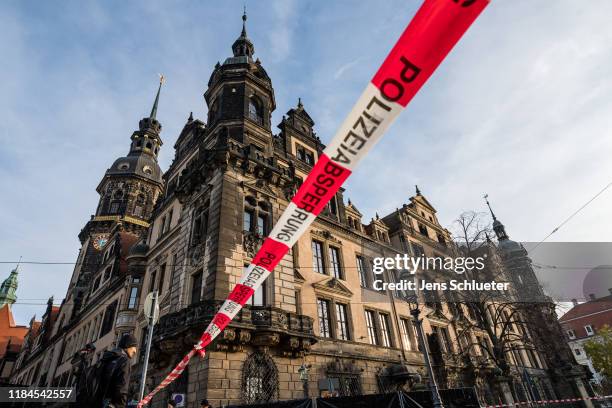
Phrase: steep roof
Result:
[588,308]
[11,335]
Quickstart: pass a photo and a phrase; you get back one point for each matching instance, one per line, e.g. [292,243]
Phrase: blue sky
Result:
[520,109]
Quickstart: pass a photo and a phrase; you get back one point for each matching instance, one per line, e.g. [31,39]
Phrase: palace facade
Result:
[316,327]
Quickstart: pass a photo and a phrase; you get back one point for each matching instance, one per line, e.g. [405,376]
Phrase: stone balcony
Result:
[126,319]
[255,326]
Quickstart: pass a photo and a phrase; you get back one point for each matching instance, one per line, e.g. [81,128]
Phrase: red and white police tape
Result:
[432,33]
[555,401]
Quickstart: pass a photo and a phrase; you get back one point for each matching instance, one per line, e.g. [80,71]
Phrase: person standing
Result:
[115,373]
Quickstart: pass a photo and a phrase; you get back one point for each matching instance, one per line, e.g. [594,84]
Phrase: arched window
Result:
[259,379]
[255,110]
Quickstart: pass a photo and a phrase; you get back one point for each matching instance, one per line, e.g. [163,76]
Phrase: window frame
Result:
[197,275]
[343,330]
[371,327]
[324,316]
[318,259]
[335,262]
[362,271]
[386,333]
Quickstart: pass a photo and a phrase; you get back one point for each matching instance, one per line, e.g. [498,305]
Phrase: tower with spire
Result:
[131,185]
[8,290]
[128,192]
[498,227]
[240,97]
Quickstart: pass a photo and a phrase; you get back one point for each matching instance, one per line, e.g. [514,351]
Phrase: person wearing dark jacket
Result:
[116,372]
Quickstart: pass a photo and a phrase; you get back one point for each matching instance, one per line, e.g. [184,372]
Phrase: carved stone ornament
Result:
[251,242]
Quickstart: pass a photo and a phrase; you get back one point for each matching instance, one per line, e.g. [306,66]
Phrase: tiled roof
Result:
[587,308]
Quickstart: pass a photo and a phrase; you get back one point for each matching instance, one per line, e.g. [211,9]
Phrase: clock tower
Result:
[128,192]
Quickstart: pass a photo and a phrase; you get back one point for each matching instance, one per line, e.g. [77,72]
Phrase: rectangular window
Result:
[152,282]
[109,318]
[443,338]
[589,330]
[259,296]
[371,326]
[417,250]
[162,277]
[162,227]
[261,224]
[577,352]
[361,269]
[342,327]
[309,159]
[324,318]
[317,256]
[333,206]
[447,341]
[406,329]
[196,287]
[305,155]
[385,330]
[133,300]
[169,220]
[571,334]
[334,262]
[247,222]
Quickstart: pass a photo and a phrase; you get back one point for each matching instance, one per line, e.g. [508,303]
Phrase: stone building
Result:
[231,178]
[582,324]
[317,327]
[98,287]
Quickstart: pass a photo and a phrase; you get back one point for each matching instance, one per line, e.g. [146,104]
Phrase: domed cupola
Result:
[132,184]
[505,244]
[240,90]
[144,149]
[243,47]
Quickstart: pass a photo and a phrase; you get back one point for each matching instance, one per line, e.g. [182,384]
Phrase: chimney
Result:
[574,302]
[592,296]
[610,290]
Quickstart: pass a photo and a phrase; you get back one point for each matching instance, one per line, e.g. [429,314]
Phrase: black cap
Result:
[204,402]
[172,403]
[127,341]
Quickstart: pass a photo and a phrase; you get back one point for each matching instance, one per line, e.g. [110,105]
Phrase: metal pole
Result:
[433,386]
[143,378]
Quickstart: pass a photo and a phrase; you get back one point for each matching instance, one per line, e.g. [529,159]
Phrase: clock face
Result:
[99,240]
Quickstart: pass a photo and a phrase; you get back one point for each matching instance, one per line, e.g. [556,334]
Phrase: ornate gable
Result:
[333,285]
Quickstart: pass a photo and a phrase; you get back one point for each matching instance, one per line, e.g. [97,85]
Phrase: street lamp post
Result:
[433,385]
[415,312]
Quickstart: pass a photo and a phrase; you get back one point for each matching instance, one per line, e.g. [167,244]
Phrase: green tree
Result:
[599,350]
